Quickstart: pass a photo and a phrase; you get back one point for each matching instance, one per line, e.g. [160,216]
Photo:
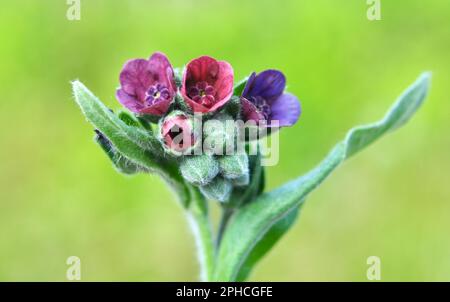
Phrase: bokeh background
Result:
[59,195]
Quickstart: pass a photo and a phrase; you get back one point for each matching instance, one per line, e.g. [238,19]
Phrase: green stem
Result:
[226,215]
[198,217]
[201,227]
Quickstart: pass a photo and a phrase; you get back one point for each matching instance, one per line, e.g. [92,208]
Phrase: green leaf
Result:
[128,119]
[135,121]
[255,220]
[120,162]
[101,117]
[239,87]
[137,145]
[267,242]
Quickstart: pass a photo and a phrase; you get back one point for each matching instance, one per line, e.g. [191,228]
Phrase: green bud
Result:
[233,107]
[180,104]
[241,181]
[199,169]
[233,166]
[178,76]
[219,189]
[219,134]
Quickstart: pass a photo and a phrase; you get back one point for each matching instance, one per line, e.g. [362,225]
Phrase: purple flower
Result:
[147,86]
[264,101]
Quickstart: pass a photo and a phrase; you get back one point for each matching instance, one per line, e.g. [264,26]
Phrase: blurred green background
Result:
[59,195]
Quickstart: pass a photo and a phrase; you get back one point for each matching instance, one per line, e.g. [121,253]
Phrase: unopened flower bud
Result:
[177,133]
[219,189]
[234,166]
[199,169]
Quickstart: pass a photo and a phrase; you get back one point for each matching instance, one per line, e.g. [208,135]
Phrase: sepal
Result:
[219,189]
[219,135]
[234,166]
[199,169]
[254,187]
[233,107]
[241,181]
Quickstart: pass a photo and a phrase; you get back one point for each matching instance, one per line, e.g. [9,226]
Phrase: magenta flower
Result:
[177,132]
[147,86]
[207,84]
[264,101]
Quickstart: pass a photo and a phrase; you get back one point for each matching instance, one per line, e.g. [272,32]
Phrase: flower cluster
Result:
[152,90]
[182,127]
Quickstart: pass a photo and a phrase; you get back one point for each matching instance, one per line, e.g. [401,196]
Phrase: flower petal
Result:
[250,112]
[136,77]
[162,71]
[286,110]
[196,107]
[159,108]
[268,84]
[218,74]
[249,84]
[129,101]
[201,69]
[224,82]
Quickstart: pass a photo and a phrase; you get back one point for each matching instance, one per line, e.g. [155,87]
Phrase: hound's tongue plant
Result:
[161,135]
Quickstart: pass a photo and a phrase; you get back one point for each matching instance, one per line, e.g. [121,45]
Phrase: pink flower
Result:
[207,84]
[147,86]
[177,132]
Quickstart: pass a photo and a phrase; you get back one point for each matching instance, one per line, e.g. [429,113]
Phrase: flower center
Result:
[156,94]
[203,93]
[262,106]
[174,132]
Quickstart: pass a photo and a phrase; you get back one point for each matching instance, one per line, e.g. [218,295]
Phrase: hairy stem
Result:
[226,215]
[201,227]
